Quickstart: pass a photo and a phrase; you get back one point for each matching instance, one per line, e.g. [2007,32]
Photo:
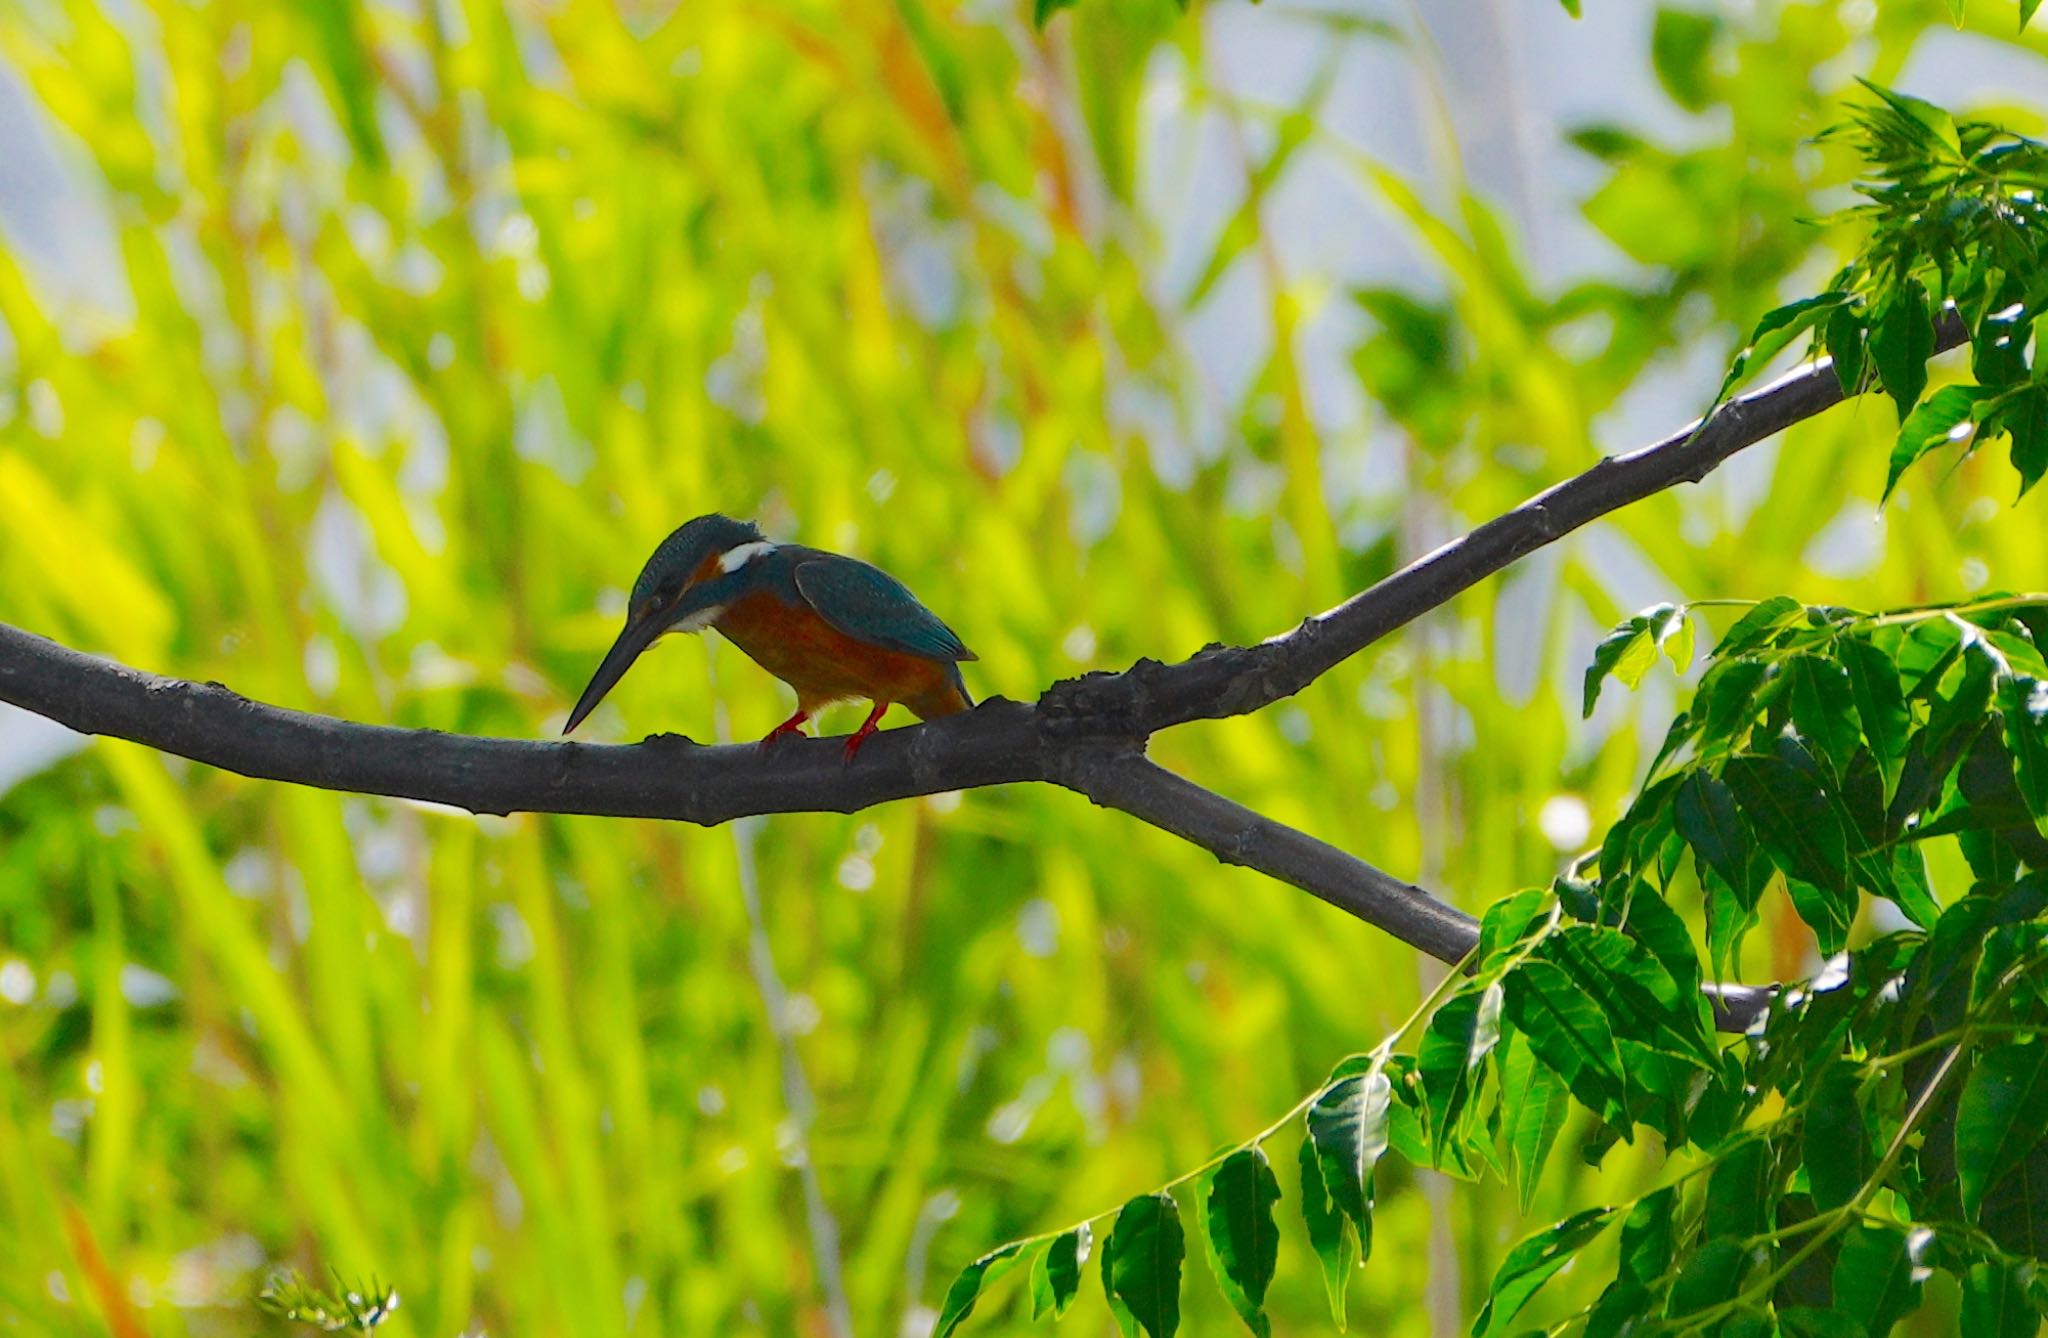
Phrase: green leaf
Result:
[1532,1263]
[1533,1104]
[1824,709]
[1680,45]
[1800,830]
[1570,1035]
[966,1288]
[2023,709]
[1680,643]
[1932,126]
[1758,625]
[1777,329]
[1835,1145]
[1141,1266]
[2015,1212]
[1947,416]
[1739,1191]
[1844,338]
[1805,1321]
[1622,1311]
[1875,1277]
[1329,1230]
[1880,705]
[1647,1238]
[1627,653]
[1056,1276]
[2013,950]
[1043,10]
[1901,342]
[2025,420]
[1237,1224]
[1460,1036]
[1641,1000]
[2003,1110]
[1995,1303]
[1709,1277]
[2027,8]
[1705,814]
[1508,920]
[1348,1124]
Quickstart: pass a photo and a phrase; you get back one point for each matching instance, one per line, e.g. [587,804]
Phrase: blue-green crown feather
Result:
[668,570]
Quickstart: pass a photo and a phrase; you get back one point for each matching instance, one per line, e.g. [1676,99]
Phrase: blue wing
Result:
[870,605]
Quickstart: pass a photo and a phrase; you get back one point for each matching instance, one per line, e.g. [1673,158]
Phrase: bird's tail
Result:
[950,700]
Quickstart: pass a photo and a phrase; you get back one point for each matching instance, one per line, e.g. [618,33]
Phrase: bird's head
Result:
[689,581]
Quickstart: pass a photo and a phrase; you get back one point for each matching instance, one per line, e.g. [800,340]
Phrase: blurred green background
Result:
[355,355]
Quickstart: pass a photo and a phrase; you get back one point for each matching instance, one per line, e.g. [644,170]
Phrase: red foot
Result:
[867,727]
[793,725]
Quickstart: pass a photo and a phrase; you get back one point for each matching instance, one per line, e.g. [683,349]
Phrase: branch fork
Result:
[1086,734]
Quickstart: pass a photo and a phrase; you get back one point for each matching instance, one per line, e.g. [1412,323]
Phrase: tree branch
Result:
[1132,783]
[1086,734]
[665,776]
[1236,680]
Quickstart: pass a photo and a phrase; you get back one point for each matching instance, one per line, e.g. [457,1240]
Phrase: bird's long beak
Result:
[638,635]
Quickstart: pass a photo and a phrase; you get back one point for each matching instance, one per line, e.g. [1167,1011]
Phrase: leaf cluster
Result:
[358,1308]
[1827,748]
[1954,227]
[1873,1126]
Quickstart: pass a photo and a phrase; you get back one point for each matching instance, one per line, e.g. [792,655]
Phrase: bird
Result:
[832,627]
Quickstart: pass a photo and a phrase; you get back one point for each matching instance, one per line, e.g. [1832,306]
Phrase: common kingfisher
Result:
[832,627]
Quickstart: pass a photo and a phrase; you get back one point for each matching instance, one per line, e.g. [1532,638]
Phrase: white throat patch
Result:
[735,558]
[699,620]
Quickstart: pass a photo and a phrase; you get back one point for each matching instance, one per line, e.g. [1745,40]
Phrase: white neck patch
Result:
[735,558]
[699,620]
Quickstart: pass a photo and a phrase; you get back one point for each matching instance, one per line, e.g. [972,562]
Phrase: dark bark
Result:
[1087,734]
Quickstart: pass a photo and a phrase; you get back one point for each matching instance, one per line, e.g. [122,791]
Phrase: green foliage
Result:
[1876,1124]
[345,1309]
[1237,1227]
[1955,227]
[1870,1127]
[420,324]
[1141,1266]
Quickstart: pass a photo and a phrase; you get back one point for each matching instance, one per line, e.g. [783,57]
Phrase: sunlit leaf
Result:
[1756,626]
[1056,1275]
[1533,1262]
[1348,1125]
[1946,418]
[1570,1035]
[966,1289]
[1454,1049]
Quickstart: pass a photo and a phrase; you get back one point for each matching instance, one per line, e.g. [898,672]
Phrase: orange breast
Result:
[825,665]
